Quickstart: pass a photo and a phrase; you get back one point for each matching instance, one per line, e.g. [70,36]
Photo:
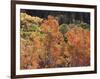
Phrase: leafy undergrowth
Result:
[46,44]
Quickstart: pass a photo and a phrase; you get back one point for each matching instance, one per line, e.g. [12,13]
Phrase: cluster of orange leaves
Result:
[79,39]
[51,24]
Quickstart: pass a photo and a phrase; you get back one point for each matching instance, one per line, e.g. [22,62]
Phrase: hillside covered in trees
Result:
[54,39]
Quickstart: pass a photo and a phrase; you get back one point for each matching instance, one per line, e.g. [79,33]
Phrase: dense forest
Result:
[61,16]
[51,39]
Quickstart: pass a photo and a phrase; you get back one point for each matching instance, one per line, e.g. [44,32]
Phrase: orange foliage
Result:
[52,50]
[79,39]
[50,24]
